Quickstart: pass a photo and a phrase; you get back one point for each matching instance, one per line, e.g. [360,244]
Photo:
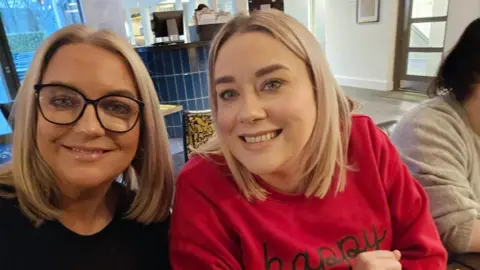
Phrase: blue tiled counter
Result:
[179,73]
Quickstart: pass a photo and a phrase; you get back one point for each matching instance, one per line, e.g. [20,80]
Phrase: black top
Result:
[122,244]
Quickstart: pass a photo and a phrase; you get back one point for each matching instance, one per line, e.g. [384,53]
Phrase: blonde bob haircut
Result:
[325,153]
[150,173]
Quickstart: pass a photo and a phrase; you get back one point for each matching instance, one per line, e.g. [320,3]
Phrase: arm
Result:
[437,157]
[413,229]
[199,238]
[475,239]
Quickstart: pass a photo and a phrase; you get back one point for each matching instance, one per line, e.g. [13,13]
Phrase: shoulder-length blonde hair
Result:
[33,181]
[325,153]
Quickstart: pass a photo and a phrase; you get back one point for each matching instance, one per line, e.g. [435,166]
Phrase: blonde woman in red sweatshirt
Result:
[294,180]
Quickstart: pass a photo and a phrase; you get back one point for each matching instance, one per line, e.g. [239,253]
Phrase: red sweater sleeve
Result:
[199,238]
[414,231]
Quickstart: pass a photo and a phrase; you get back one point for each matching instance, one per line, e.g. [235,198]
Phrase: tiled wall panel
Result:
[180,77]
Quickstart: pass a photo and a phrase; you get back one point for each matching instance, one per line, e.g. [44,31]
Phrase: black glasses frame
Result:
[94,102]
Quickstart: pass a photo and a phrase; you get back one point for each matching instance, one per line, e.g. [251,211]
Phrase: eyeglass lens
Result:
[62,105]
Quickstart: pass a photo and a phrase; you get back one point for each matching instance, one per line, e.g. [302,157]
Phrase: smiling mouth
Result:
[87,151]
[261,138]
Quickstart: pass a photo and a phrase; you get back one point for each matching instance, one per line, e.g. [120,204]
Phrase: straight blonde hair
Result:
[33,182]
[325,153]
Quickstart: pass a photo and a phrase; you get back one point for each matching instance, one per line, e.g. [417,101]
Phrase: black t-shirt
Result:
[122,244]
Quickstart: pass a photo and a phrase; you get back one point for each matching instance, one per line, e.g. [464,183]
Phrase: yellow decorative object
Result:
[198,129]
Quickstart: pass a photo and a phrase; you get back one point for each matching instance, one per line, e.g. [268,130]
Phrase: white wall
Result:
[241,6]
[299,9]
[319,20]
[105,14]
[460,14]
[361,55]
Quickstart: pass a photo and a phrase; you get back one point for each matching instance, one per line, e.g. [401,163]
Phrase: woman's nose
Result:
[252,109]
[89,123]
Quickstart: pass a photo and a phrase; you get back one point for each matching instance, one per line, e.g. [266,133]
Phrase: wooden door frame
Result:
[404,22]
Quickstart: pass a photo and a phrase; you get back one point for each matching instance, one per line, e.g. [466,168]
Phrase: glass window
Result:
[165,7]
[423,64]
[429,8]
[28,22]
[428,34]
[225,5]
[4,96]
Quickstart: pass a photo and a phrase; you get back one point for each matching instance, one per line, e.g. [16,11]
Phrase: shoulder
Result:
[369,145]
[437,120]
[8,201]
[12,219]
[364,133]
[440,113]
[362,123]
[208,176]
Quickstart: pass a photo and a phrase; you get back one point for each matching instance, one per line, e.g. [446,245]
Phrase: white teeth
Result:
[87,151]
[263,138]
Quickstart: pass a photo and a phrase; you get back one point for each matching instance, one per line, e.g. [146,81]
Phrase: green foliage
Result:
[25,42]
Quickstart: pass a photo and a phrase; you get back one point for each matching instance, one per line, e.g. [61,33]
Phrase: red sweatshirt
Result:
[382,207]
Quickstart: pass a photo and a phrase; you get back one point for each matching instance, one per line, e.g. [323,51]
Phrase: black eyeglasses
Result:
[64,105]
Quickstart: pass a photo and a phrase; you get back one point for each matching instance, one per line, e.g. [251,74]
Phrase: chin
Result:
[87,178]
[260,167]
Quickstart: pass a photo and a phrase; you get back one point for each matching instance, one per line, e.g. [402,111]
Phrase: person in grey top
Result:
[439,142]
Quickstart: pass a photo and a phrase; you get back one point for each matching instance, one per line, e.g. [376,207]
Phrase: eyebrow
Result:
[269,69]
[224,79]
[120,92]
[259,73]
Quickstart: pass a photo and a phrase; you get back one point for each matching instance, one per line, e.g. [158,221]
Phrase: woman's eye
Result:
[272,85]
[63,102]
[118,108]
[228,94]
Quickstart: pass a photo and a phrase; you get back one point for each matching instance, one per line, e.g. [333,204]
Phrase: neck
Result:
[472,106]
[87,211]
[284,181]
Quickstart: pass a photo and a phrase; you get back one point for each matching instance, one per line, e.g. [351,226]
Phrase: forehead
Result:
[250,51]
[89,68]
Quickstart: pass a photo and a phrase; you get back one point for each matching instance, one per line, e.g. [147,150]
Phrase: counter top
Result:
[154,48]
[168,109]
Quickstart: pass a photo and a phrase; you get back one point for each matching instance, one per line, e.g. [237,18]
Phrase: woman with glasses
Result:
[91,180]
[293,180]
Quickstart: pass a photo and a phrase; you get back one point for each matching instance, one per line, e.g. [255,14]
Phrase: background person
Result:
[439,141]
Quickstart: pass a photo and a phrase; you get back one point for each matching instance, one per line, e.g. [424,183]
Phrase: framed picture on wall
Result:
[368,11]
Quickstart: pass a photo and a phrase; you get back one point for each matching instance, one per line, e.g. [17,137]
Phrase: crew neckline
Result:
[123,202]
[71,233]
[272,193]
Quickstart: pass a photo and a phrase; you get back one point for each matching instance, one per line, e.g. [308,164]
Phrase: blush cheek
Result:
[48,134]
[129,142]
[226,123]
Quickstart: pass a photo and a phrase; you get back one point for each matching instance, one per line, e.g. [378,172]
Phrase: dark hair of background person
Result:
[460,70]
[200,7]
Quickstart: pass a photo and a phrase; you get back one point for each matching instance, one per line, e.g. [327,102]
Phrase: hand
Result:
[378,260]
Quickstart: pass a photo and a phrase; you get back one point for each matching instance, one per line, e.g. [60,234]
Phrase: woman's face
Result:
[84,155]
[266,105]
